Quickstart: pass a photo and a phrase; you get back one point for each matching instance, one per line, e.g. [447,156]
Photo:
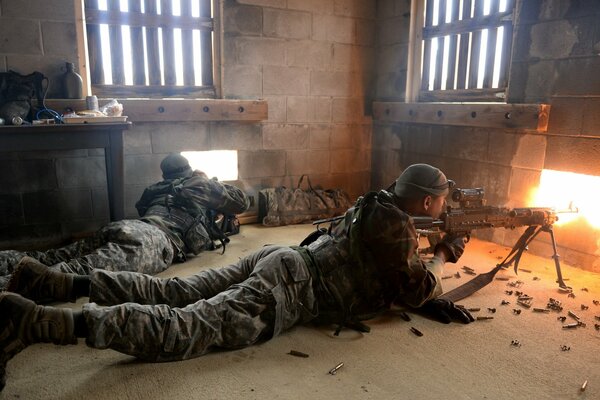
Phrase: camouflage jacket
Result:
[369,260]
[180,205]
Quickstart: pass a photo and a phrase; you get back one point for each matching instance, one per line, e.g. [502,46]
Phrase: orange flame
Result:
[567,190]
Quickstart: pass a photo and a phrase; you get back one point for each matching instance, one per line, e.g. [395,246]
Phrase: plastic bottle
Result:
[72,83]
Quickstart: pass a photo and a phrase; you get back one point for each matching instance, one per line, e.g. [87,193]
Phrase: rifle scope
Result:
[468,195]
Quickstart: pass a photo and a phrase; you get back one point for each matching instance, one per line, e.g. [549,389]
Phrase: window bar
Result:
[137,47]
[463,52]
[439,62]
[491,48]
[94,48]
[116,47]
[166,10]
[188,46]
[427,47]
[475,47]
[206,45]
[452,47]
[152,51]
[506,47]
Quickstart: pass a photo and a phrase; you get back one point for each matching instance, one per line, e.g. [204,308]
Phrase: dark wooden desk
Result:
[77,136]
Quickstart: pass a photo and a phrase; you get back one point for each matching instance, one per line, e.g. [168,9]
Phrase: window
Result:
[151,48]
[465,50]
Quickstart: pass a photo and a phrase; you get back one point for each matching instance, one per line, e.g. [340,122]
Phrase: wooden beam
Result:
[167,110]
[491,115]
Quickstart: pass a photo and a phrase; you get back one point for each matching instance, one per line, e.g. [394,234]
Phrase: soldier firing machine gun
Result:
[474,214]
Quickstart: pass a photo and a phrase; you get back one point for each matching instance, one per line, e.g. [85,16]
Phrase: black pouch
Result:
[17,94]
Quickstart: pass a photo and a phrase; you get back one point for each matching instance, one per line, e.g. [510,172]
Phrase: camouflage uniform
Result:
[171,211]
[263,294]
[343,276]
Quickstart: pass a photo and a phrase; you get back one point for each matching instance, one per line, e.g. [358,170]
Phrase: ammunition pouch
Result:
[17,93]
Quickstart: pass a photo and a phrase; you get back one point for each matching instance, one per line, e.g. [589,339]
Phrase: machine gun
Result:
[474,214]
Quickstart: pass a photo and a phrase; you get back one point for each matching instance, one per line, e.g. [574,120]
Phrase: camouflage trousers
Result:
[127,245]
[157,319]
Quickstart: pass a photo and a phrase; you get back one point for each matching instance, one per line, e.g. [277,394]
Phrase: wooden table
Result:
[108,136]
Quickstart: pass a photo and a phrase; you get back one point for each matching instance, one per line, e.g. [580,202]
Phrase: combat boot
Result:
[22,322]
[35,281]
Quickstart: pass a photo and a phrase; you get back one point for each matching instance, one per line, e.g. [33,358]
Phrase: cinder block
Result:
[57,10]
[100,208]
[359,184]
[569,114]
[57,206]
[338,83]
[393,30]
[81,172]
[355,8]
[315,6]
[277,108]
[285,136]
[132,194]
[309,53]
[350,161]
[567,154]
[308,109]
[58,38]
[347,110]
[552,40]
[498,185]
[365,32]
[180,136]
[143,169]
[591,116]
[334,29]
[27,176]
[541,79]
[391,86]
[585,67]
[20,36]
[523,183]
[349,136]
[3,64]
[530,152]
[322,109]
[319,136]
[242,81]
[53,154]
[11,209]
[298,109]
[258,164]
[235,136]
[31,236]
[301,162]
[286,24]
[285,80]
[260,51]
[241,19]
[136,140]
[465,143]
[392,58]
[387,136]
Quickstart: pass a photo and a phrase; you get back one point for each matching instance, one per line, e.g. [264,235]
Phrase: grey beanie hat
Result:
[175,166]
[421,180]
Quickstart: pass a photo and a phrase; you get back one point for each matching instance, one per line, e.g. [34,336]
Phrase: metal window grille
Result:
[150,48]
[466,50]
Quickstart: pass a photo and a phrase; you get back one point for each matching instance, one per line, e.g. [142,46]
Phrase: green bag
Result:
[283,206]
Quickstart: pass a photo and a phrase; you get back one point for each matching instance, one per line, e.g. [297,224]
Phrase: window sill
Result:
[177,110]
[488,115]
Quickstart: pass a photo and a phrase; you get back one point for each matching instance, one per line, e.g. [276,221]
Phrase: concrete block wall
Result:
[555,59]
[312,60]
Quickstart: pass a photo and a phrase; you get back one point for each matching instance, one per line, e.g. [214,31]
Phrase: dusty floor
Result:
[475,361]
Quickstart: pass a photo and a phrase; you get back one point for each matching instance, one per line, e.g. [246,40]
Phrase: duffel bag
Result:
[284,206]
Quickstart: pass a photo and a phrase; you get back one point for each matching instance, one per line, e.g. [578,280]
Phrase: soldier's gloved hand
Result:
[446,311]
[454,246]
